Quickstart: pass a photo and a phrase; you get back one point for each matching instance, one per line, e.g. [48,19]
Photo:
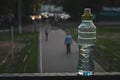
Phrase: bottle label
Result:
[87,73]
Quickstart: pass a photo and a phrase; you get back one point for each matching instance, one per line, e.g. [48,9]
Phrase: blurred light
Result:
[64,15]
[39,17]
[45,14]
[51,14]
[33,17]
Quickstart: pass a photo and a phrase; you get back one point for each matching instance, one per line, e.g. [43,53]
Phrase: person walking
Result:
[56,20]
[68,42]
[46,33]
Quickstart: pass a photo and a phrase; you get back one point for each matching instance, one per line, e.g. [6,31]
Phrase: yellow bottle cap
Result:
[87,14]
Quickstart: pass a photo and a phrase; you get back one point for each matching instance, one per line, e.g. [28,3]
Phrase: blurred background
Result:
[24,12]
[103,10]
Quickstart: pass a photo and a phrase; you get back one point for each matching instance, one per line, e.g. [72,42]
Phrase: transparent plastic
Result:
[86,32]
[86,43]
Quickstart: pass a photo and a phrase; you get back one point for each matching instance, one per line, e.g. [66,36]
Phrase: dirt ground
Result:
[5,49]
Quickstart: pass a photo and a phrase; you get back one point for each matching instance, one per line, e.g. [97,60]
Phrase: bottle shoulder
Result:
[87,27]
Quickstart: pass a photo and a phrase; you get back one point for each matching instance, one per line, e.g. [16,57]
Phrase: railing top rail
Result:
[54,74]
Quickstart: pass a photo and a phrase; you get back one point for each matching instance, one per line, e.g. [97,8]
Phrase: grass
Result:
[20,64]
[33,56]
[107,45]
[5,36]
[31,51]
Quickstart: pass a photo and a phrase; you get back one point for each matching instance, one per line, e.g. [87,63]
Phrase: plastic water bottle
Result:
[86,43]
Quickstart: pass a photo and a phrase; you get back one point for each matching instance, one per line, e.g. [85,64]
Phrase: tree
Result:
[7,6]
[75,7]
[11,6]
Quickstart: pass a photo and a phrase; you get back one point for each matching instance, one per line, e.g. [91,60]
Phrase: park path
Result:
[53,58]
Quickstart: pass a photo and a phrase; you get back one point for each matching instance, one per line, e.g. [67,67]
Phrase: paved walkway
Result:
[53,58]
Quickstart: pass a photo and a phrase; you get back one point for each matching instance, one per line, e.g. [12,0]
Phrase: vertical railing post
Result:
[19,17]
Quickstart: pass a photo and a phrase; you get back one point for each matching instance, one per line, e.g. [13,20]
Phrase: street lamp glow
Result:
[33,17]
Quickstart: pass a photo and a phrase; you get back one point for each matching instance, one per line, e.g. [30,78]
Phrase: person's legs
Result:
[68,48]
[46,35]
